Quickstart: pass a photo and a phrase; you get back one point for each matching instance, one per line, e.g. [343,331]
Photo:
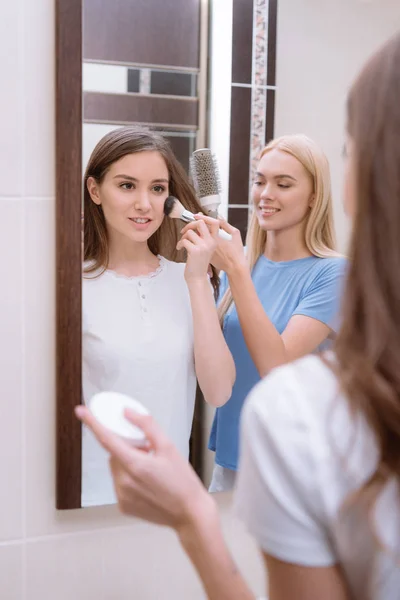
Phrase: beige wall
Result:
[44,554]
[321,46]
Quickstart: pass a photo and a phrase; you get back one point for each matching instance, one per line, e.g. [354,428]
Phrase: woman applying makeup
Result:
[150,326]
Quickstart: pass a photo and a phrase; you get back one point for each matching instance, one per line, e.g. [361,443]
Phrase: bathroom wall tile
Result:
[64,568]
[11,572]
[149,561]
[10,99]
[11,368]
[39,103]
[40,393]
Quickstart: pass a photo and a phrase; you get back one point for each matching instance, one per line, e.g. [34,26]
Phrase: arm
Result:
[215,368]
[161,487]
[287,581]
[204,544]
[267,347]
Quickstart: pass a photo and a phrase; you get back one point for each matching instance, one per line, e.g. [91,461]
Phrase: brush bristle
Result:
[205,174]
[173,208]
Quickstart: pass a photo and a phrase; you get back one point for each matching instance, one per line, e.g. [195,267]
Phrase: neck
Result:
[130,258]
[287,244]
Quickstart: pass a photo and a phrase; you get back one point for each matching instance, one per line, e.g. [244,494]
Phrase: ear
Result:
[93,190]
[312,201]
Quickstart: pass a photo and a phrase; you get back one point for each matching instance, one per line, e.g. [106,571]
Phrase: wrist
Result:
[201,521]
[196,281]
[237,269]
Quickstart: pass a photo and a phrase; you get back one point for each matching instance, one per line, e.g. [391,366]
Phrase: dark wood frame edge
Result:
[68,251]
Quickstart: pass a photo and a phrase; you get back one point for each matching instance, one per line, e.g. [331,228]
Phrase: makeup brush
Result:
[175,210]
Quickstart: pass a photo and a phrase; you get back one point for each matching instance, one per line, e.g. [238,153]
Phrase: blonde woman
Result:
[281,301]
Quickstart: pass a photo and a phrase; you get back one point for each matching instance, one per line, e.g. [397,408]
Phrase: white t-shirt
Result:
[302,455]
[137,340]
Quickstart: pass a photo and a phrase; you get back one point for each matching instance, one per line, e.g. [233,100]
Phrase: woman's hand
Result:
[200,242]
[228,255]
[157,485]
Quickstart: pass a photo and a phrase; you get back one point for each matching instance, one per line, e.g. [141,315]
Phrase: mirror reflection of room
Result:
[149,323]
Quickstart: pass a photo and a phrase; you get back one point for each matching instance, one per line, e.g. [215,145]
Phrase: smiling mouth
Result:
[140,220]
[269,211]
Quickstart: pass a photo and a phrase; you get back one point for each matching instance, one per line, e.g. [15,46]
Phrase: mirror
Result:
[148,64]
[203,74]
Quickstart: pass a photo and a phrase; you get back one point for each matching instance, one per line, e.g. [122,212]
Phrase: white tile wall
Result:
[90,554]
[11,580]
[12,358]
[321,47]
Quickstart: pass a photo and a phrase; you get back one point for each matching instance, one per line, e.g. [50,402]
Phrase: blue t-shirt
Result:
[308,286]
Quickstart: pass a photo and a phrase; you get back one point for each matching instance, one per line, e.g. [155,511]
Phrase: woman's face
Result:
[132,195]
[349,188]
[282,191]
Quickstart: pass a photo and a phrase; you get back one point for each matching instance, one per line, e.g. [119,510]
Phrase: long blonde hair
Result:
[320,234]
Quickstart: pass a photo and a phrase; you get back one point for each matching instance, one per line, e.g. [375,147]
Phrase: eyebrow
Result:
[258,174]
[130,178]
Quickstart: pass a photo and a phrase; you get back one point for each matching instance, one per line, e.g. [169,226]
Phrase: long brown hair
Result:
[368,345]
[112,147]
[320,232]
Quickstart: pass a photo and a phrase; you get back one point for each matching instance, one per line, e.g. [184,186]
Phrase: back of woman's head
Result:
[368,345]
[111,148]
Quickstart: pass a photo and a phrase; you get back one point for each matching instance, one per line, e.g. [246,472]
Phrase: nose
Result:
[266,192]
[142,201]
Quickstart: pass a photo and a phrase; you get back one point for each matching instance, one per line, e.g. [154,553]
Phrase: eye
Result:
[283,186]
[127,186]
[159,189]
[258,183]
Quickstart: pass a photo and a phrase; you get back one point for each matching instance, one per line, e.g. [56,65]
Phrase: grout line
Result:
[72,534]
[21,44]
[255,86]
[152,67]
[24,198]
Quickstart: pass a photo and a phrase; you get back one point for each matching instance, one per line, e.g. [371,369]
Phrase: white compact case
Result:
[108,408]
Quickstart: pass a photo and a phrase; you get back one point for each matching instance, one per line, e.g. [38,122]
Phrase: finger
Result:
[194,236]
[185,244]
[111,442]
[205,230]
[189,226]
[153,432]
[227,227]
[212,224]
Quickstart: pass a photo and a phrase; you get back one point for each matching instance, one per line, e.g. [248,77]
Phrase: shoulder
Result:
[331,266]
[173,268]
[294,395]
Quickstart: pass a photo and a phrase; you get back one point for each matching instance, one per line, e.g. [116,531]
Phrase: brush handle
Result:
[224,235]
[188,217]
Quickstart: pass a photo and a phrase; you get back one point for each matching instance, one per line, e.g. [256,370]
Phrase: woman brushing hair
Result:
[281,301]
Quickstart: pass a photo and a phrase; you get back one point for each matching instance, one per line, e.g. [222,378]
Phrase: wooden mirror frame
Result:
[68,251]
